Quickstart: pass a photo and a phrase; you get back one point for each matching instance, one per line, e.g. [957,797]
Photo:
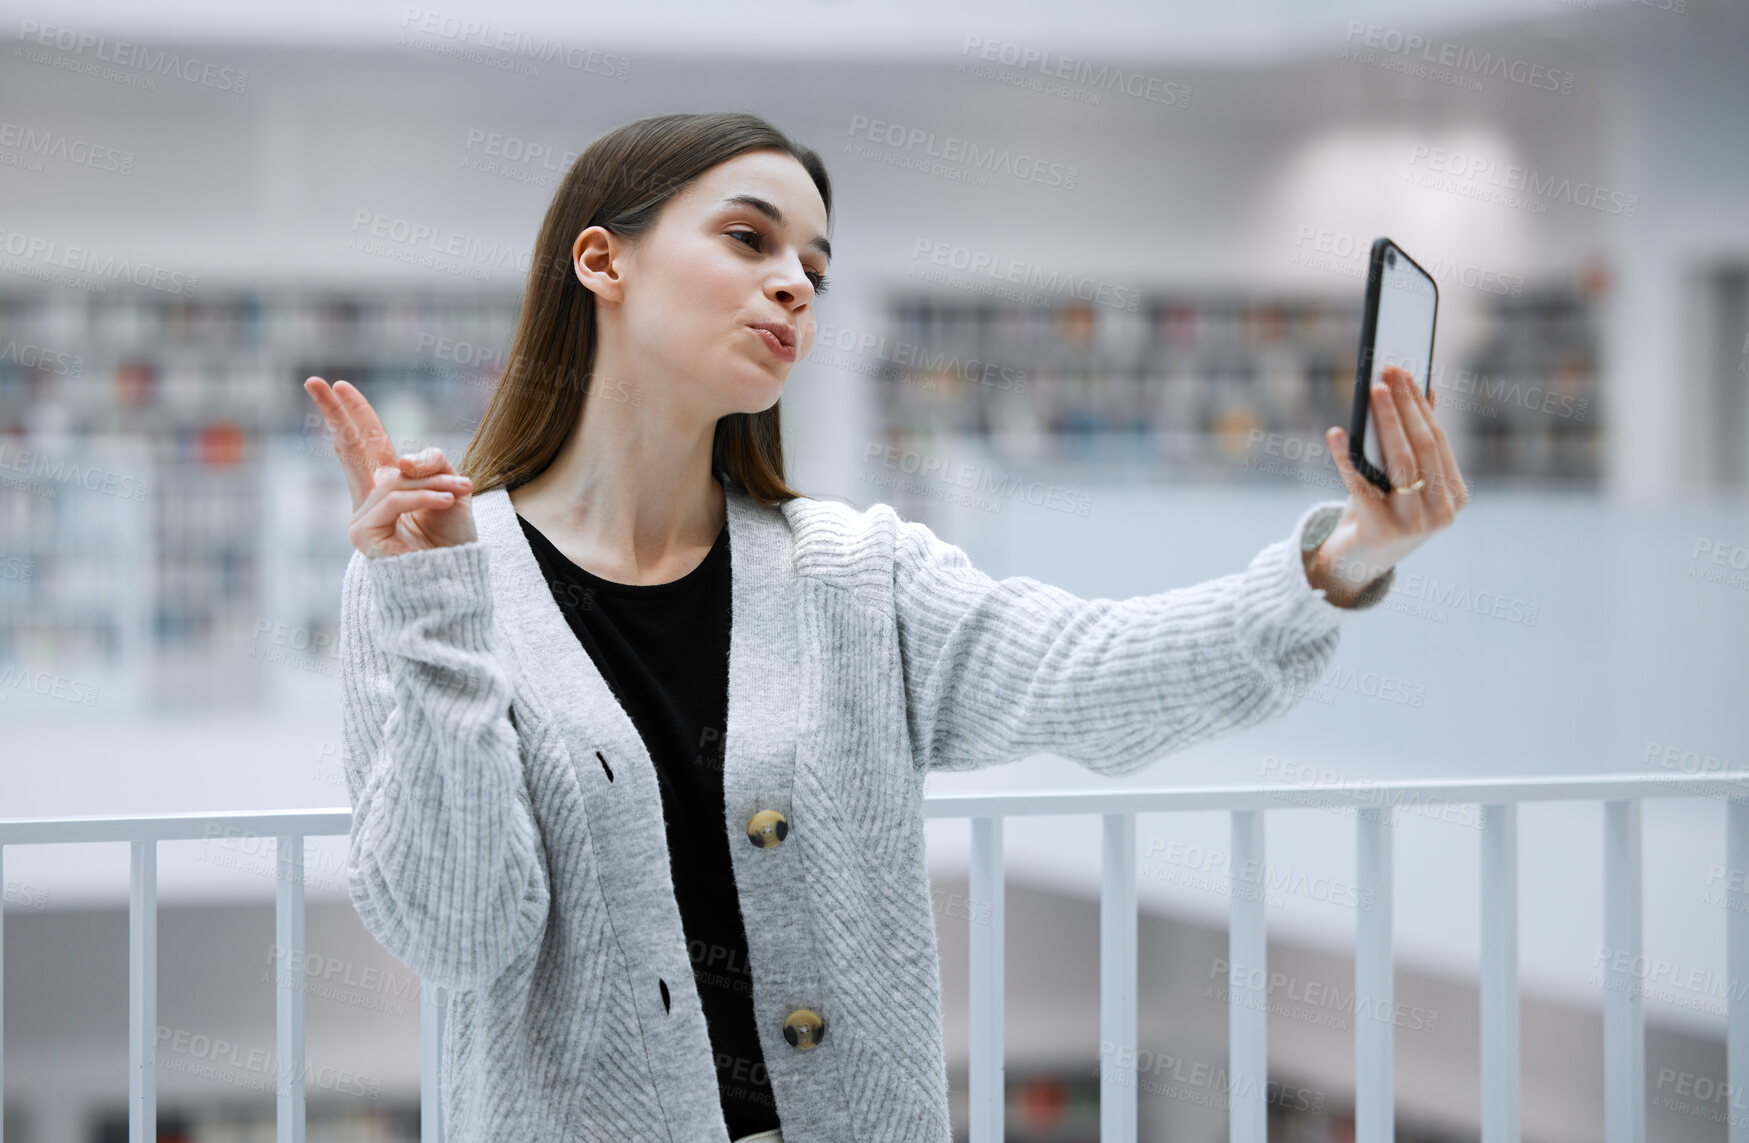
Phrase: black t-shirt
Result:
[664,651]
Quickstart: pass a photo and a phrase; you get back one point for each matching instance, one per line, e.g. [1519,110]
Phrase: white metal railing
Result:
[1624,1016]
[288,828]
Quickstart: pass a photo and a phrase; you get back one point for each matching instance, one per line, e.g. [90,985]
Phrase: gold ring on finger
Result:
[1420,483]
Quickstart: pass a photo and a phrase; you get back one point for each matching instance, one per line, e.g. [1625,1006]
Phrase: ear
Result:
[598,259]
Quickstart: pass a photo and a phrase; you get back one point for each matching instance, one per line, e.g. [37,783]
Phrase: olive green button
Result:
[766,828]
[804,1029]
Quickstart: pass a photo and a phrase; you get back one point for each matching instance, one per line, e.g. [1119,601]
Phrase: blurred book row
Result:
[1205,387]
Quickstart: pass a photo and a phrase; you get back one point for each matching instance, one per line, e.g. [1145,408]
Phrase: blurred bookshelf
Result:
[173,514]
[1161,391]
[1221,387]
[1531,388]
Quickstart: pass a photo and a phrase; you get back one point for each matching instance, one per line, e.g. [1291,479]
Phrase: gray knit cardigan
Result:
[508,841]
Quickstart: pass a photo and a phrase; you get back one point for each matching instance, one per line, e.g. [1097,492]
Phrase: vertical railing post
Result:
[2,989]
[143,993]
[1374,995]
[1624,1014]
[987,1093]
[1737,965]
[1500,1039]
[1117,980]
[1247,983]
[431,1005]
[288,919]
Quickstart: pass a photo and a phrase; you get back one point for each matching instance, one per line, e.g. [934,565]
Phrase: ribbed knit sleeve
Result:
[999,670]
[445,866]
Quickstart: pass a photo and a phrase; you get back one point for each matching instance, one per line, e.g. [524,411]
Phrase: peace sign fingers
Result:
[360,441]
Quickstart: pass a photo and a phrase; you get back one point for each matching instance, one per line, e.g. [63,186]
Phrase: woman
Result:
[637,766]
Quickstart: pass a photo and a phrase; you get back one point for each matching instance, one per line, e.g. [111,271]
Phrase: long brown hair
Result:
[621,182]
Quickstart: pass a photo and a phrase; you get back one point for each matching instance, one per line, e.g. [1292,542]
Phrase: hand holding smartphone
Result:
[1402,302]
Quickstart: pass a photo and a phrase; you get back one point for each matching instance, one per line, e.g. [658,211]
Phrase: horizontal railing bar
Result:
[322,822]
[1582,787]
[173,827]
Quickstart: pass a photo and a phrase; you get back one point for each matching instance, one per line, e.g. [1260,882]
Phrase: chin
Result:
[755,395]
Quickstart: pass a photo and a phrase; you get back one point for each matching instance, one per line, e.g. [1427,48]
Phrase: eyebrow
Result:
[769,210]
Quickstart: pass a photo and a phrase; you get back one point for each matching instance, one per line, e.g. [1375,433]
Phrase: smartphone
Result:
[1402,301]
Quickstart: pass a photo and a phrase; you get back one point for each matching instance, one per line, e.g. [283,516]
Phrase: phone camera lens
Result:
[1390,257]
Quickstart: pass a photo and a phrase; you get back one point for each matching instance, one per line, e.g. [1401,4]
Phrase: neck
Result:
[631,491]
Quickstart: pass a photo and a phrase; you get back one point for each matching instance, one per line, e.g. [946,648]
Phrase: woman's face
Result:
[680,303]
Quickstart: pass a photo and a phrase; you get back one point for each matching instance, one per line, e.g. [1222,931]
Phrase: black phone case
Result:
[1363,366]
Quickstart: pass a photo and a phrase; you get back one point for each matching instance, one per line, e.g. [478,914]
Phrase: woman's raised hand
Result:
[1379,528]
[399,504]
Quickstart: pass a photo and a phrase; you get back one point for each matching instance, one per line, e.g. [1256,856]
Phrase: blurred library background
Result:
[1118,384]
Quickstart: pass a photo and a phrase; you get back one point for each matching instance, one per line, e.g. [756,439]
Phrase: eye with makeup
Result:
[758,243]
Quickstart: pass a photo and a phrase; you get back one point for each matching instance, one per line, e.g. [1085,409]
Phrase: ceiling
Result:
[1238,32]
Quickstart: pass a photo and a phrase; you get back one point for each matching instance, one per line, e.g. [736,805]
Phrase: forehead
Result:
[771,175]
